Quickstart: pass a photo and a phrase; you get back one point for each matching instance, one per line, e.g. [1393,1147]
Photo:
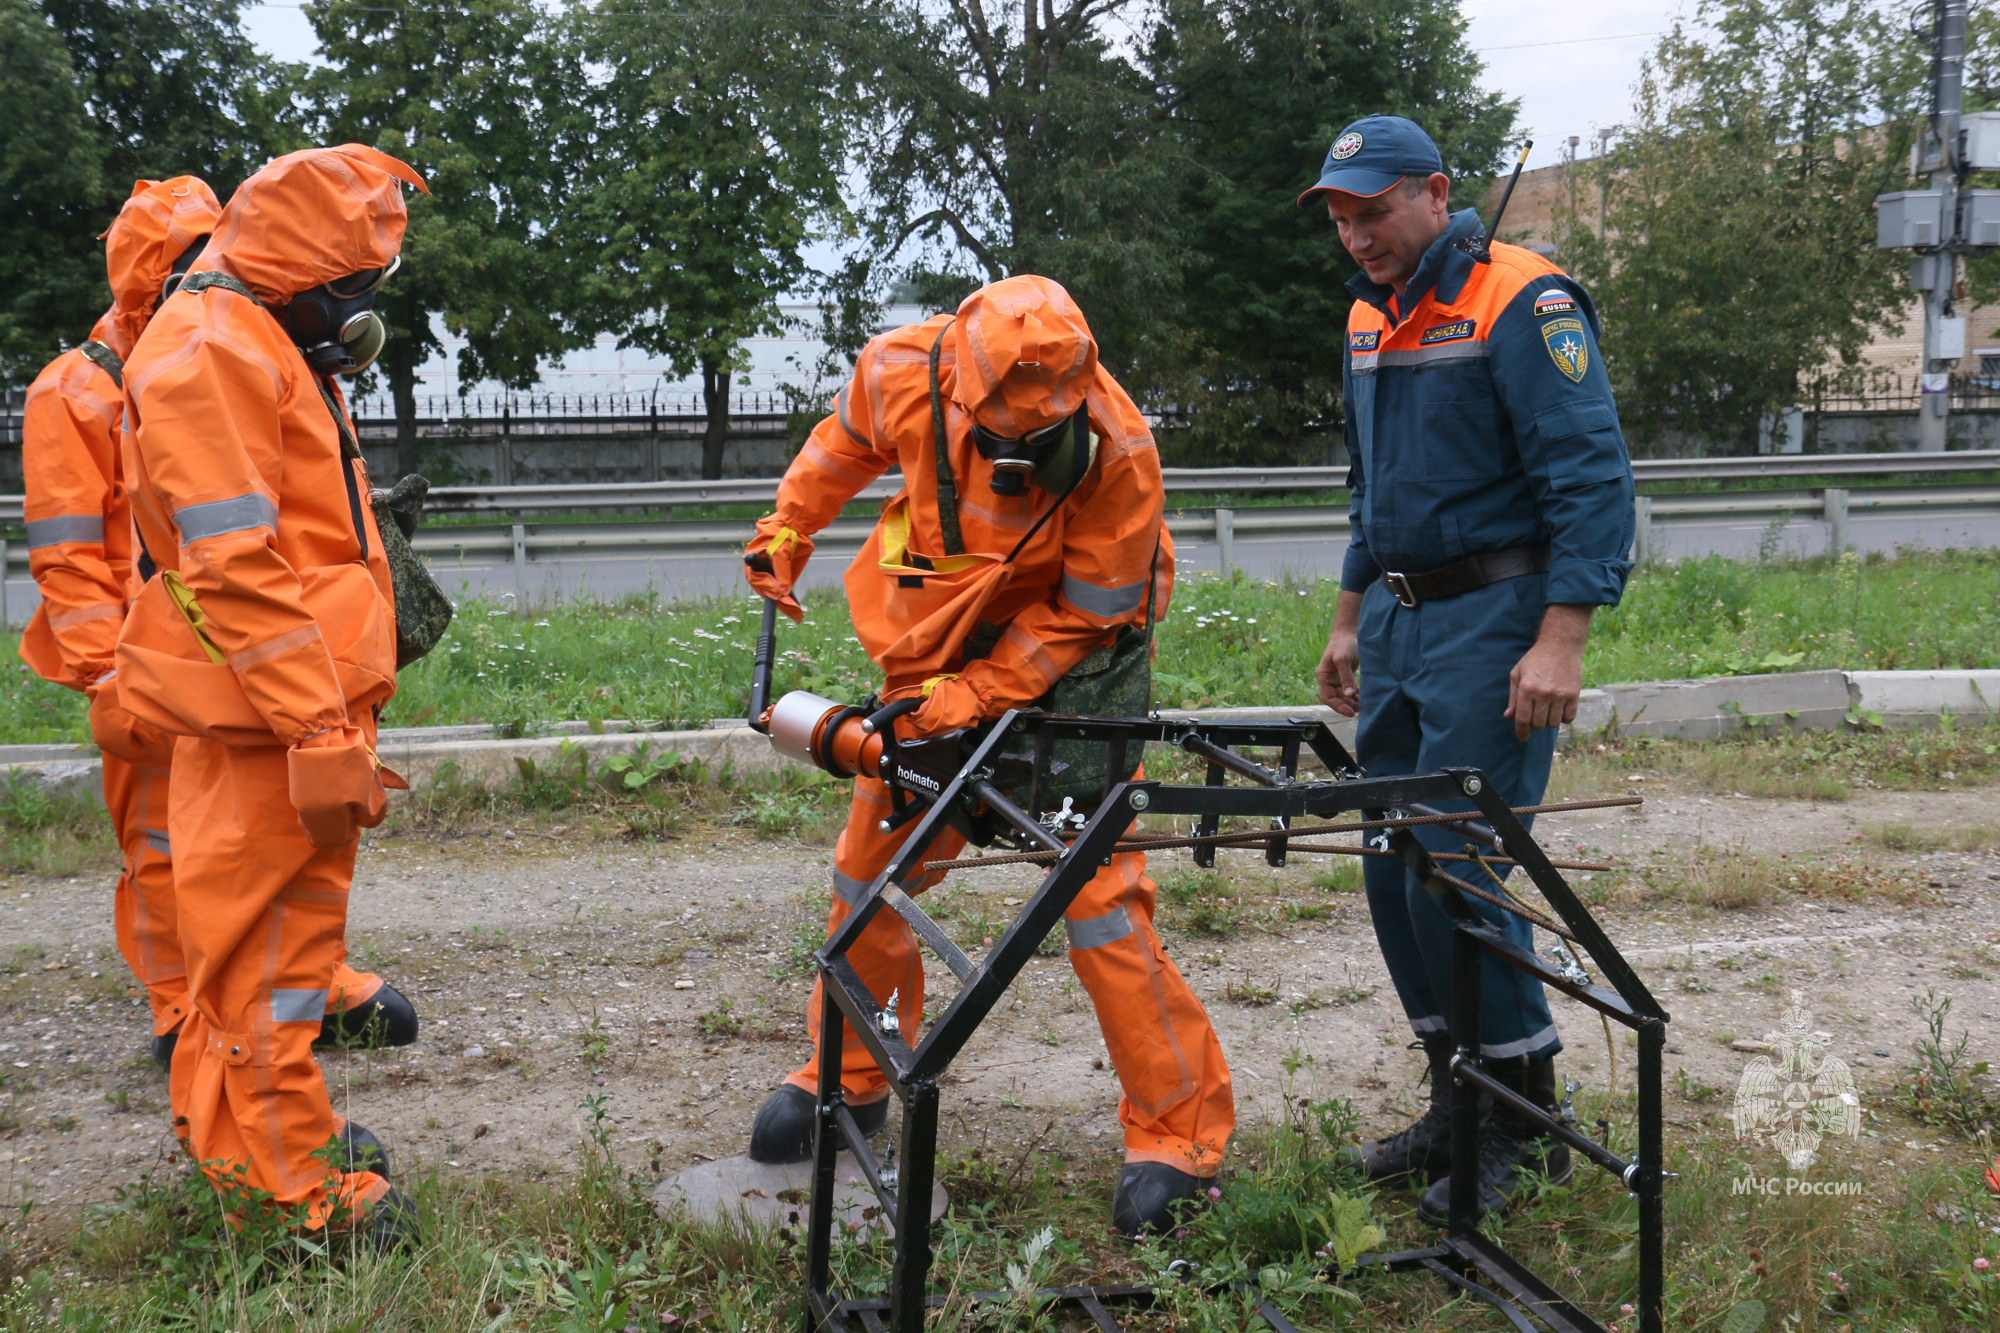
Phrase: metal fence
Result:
[1887,391]
[571,414]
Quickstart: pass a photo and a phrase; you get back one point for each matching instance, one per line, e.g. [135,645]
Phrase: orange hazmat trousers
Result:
[1017,357]
[266,643]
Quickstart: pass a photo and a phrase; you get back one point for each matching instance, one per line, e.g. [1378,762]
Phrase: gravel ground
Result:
[548,970]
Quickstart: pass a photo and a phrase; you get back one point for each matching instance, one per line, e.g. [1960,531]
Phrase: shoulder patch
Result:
[1568,347]
[1444,333]
[1363,340]
[1554,301]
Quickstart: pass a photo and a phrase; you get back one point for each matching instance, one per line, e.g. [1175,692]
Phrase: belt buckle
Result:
[1399,587]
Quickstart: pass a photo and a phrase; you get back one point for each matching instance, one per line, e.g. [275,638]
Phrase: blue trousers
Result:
[1433,691]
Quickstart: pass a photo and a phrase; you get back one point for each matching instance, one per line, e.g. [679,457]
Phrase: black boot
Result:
[362,1151]
[1511,1148]
[1424,1149]
[1153,1196]
[391,1223]
[783,1129]
[163,1050]
[385,1018]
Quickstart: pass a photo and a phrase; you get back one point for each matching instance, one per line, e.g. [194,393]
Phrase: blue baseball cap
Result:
[1372,154]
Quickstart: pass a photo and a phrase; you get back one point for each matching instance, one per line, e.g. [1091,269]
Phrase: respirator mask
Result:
[172,282]
[335,323]
[1047,458]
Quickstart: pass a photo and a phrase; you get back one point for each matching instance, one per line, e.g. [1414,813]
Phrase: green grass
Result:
[582,1249]
[1226,642]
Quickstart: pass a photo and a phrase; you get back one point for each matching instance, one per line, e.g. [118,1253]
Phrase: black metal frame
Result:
[972,773]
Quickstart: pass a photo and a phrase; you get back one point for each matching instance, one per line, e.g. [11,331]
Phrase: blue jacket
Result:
[1484,421]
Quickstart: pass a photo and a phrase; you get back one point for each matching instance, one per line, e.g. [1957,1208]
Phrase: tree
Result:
[1739,260]
[95,94]
[176,88]
[1254,92]
[51,170]
[716,156]
[482,102]
[1017,142]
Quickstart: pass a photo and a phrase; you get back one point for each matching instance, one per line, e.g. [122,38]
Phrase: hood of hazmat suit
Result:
[964,592]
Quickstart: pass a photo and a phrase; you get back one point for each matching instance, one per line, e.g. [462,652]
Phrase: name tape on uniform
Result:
[1444,333]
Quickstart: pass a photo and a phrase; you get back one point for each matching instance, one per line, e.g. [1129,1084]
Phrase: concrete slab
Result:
[759,1197]
[1702,710]
[1919,698]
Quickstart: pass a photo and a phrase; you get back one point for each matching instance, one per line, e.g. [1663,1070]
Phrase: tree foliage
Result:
[481,101]
[1255,91]
[715,158]
[1738,263]
[1017,140]
[95,94]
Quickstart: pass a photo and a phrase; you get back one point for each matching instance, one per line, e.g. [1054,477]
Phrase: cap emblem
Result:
[1346,146]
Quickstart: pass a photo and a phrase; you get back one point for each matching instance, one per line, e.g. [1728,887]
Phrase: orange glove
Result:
[336,786]
[120,734]
[776,558]
[949,704]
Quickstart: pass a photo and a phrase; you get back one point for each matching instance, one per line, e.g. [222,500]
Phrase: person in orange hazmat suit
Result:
[977,409]
[80,553]
[266,642]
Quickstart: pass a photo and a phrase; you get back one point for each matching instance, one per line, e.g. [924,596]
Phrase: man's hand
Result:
[1542,690]
[1340,665]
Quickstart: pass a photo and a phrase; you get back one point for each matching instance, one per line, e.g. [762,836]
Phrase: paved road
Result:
[681,576]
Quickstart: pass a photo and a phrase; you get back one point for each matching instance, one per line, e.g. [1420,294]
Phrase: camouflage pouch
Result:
[423,612]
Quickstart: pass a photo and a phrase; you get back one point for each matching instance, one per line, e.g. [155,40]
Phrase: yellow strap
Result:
[781,540]
[896,549]
[934,681]
[182,597]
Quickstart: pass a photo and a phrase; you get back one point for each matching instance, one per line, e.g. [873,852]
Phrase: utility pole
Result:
[1940,274]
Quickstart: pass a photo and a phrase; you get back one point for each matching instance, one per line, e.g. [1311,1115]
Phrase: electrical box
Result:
[1948,339]
[1982,216]
[1909,218]
[1982,140]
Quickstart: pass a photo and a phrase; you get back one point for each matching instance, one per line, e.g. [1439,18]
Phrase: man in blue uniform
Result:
[1492,513]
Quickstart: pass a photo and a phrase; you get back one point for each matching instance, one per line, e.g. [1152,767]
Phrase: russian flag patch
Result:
[1554,301]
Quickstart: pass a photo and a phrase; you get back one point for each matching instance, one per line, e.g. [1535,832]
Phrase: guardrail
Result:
[521,544]
[1222,480]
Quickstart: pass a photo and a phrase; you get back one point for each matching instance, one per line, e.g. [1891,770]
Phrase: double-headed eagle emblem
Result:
[1798,1094]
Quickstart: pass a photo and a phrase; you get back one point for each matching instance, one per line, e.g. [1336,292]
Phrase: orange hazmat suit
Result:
[266,644]
[1016,358]
[80,552]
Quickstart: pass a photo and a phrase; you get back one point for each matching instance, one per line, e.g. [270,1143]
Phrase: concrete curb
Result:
[1689,710]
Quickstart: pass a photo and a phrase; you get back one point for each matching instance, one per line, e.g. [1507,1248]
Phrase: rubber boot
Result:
[1153,1196]
[391,1223]
[362,1151]
[163,1050]
[385,1018]
[783,1129]
[1424,1149]
[1511,1150]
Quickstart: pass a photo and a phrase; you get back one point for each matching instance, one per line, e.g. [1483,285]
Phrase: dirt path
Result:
[549,972]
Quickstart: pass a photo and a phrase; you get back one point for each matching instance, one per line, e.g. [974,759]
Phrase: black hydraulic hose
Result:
[760,671]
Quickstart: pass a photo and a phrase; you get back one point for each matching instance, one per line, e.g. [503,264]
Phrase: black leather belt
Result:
[1467,575]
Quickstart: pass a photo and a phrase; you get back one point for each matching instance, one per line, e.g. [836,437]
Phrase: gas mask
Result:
[1051,458]
[172,282]
[335,323]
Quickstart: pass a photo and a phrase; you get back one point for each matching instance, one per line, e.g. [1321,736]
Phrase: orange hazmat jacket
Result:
[1017,356]
[265,627]
[78,515]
